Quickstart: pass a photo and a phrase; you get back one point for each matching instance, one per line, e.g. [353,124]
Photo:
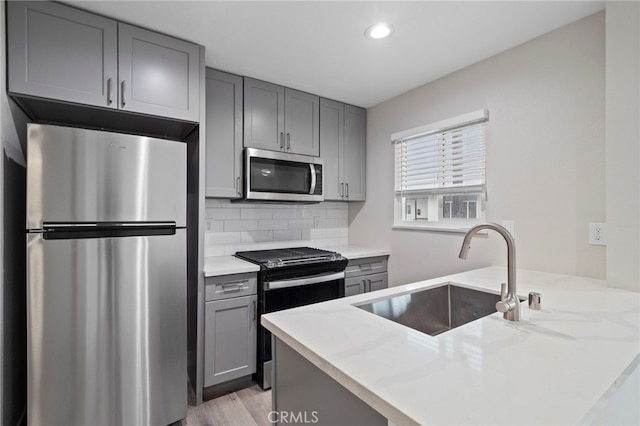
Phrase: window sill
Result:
[434,228]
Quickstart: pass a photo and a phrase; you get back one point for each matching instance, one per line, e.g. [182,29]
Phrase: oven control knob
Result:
[271,264]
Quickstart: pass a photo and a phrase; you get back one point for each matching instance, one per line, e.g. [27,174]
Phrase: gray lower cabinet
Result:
[365,275]
[61,53]
[224,135]
[302,389]
[355,285]
[343,147]
[280,119]
[230,328]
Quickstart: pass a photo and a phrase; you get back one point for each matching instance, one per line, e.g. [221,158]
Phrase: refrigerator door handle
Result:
[66,231]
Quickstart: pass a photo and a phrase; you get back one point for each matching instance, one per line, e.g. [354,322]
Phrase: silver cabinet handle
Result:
[281,140]
[238,186]
[342,189]
[347,192]
[123,88]
[255,310]
[288,141]
[232,287]
[109,91]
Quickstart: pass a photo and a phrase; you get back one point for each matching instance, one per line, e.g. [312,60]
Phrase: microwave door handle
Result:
[313,179]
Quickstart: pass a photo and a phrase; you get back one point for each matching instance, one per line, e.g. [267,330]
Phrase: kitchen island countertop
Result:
[559,365]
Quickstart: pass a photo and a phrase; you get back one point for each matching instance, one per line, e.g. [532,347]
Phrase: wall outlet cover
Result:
[598,234]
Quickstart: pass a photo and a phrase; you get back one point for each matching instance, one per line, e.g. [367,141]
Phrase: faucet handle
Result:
[503,291]
[504,305]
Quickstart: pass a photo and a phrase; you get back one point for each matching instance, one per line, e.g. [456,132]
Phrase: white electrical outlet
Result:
[598,234]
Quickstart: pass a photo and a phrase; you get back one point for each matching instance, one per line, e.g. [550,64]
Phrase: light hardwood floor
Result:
[246,407]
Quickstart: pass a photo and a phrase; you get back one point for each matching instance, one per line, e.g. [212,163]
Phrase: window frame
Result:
[441,224]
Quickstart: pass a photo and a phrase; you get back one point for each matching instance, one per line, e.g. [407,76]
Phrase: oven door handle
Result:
[272,285]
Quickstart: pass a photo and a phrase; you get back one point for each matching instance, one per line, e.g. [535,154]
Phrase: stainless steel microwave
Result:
[279,176]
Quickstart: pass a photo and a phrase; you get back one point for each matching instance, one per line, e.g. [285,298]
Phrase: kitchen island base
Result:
[304,394]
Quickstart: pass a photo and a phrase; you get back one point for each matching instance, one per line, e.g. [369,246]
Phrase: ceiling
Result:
[320,47]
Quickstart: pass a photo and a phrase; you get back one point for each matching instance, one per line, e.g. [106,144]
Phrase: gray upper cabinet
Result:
[159,75]
[59,52]
[332,143]
[263,115]
[355,155]
[301,122]
[343,143]
[280,119]
[224,135]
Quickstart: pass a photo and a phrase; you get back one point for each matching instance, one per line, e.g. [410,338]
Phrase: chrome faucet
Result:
[509,304]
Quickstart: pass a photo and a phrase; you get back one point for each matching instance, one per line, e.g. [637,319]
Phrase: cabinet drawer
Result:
[226,286]
[365,266]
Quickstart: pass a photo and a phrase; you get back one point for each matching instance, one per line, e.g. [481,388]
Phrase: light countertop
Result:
[552,367]
[358,252]
[226,265]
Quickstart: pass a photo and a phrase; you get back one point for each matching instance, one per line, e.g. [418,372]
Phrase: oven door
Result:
[277,176]
[290,293]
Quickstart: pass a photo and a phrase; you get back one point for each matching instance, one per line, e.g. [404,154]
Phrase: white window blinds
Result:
[442,161]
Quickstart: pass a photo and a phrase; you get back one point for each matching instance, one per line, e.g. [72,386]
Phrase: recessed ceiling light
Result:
[379,30]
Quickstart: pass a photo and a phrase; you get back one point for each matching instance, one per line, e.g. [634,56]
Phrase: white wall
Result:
[623,144]
[545,157]
[232,227]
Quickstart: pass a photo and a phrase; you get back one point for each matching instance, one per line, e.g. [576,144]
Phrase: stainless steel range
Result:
[289,278]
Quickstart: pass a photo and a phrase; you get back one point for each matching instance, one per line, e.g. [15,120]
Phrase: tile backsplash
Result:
[231,227]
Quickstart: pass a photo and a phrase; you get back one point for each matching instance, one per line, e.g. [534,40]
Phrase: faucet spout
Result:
[510,304]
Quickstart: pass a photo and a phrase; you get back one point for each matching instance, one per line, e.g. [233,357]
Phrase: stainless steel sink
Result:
[437,309]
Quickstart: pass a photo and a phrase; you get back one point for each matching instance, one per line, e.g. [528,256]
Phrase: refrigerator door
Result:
[78,175]
[107,330]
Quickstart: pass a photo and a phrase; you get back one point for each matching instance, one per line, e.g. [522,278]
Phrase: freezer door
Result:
[78,175]
[107,330]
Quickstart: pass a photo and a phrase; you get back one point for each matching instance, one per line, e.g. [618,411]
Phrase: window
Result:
[440,179]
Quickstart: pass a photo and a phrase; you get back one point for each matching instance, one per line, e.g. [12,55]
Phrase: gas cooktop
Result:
[288,256]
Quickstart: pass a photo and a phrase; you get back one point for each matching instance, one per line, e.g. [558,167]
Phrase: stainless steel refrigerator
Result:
[106,278]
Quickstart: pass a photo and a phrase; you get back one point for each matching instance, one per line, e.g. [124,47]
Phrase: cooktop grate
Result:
[287,255]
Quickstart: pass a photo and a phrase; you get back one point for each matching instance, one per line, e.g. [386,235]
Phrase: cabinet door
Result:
[355,128]
[354,286]
[224,135]
[301,123]
[62,53]
[331,142]
[159,75]
[376,281]
[263,115]
[230,339]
